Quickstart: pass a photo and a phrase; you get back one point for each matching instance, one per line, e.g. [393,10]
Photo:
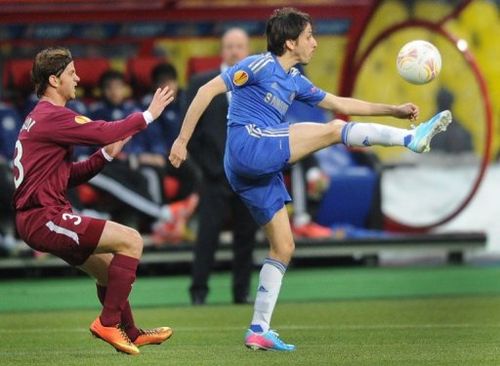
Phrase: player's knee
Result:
[335,126]
[133,243]
[285,250]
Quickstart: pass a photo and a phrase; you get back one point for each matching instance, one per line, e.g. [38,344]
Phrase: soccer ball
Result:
[419,62]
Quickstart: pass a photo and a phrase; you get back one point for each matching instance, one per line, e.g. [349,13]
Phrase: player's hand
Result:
[407,110]
[161,99]
[116,147]
[178,153]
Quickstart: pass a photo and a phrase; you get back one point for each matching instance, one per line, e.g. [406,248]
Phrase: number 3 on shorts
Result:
[67,216]
[17,163]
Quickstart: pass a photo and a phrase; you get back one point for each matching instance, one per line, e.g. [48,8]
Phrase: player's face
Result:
[68,81]
[305,45]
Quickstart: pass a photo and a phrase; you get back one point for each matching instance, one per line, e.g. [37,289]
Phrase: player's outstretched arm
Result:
[116,147]
[72,129]
[83,171]
[161,99]
[352,106]
[204,96]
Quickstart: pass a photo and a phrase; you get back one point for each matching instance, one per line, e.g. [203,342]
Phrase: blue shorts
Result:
[253,161]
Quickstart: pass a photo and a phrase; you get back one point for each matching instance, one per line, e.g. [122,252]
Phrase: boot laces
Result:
[153,331]
[123,333]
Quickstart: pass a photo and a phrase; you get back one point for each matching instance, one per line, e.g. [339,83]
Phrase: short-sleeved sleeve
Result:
[308,93]
[245,72]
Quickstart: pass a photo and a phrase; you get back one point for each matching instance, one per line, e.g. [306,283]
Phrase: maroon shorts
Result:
[59,231]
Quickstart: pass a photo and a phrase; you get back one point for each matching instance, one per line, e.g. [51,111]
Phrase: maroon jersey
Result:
[43,168]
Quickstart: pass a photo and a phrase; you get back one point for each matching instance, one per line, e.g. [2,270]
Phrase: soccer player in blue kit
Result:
[260,145]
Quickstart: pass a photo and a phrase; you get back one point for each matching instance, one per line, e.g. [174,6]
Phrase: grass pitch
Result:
[384,327]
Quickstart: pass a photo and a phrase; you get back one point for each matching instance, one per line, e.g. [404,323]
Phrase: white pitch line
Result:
[53,352]
[283,327]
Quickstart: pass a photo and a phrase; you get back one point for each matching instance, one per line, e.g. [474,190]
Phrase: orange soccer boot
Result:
[153,336]
[115,336]
[312,230]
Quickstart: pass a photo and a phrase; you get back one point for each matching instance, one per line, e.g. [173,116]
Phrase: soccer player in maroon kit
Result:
[43,171]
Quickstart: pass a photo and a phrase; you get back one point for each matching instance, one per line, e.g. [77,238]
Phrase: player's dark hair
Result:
[50,61]
[162,73]
[284,24]
[108,76]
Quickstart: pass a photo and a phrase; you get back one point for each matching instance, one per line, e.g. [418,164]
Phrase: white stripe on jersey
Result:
[261,66]
[61,230]
[257,132]
[259,60]
[257,65]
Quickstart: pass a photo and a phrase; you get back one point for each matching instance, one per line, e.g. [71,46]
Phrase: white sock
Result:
[368,134]
[270,278]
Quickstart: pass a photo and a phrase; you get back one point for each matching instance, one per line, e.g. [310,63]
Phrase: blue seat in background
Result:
[349,198]
[353,186]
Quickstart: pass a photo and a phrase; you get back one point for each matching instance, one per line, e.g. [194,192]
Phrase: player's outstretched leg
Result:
[119,276]
[269,340]
[139,337]
[115,336]
[417,139]
[425,131]
[153,336]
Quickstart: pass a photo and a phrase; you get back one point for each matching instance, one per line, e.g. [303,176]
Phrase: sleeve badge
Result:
[240,78]
[82,120]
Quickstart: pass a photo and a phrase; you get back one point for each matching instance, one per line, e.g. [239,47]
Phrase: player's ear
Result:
[53,81]
[290,44]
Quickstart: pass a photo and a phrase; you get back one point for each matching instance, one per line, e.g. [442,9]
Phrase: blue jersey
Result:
[261,91]
[257,145]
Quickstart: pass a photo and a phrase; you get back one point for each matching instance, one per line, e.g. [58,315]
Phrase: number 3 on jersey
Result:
[17,163]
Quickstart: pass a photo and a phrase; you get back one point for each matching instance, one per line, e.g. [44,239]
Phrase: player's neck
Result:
[55,99]
[286,61]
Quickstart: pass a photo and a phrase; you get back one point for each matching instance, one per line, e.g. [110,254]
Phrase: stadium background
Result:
[358,45]
[464,198]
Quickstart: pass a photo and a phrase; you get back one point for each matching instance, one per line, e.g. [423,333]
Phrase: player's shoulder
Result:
[295,72]
[44,109]
[259,62]
[46,117]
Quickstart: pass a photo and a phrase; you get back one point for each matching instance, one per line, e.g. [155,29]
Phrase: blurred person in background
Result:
[260,144]
[43,170]
[457,139]
[153,146]
[122,178]
[10,124]
[218,203]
